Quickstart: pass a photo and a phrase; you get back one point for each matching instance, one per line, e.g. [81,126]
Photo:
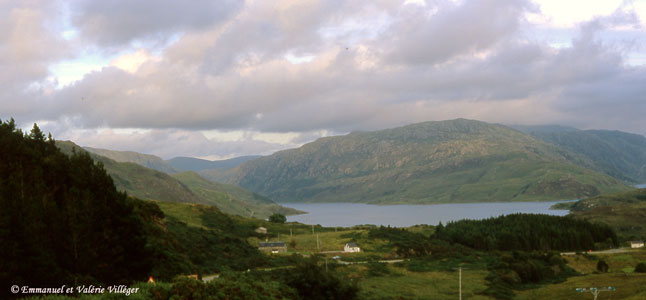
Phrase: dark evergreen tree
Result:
[602,266]
[62,220]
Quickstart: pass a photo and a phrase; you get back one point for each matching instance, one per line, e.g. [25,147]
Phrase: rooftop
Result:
[271,244]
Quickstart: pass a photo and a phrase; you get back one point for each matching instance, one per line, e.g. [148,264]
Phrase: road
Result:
[609,251]
[387,261]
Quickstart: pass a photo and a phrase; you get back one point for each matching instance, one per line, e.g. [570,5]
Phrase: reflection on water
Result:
[350,214]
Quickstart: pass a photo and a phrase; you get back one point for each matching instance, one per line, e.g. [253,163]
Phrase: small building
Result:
[261,230]
[636,244]
[351,247]
[273,247]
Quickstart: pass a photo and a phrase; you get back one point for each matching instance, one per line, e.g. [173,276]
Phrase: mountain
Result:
[146,160]
[619,154]
[432,162]
[232,199]
[197,165]
[186,187]
[140,181]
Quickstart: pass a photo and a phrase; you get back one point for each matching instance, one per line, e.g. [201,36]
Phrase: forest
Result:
[528,232]
[62,219]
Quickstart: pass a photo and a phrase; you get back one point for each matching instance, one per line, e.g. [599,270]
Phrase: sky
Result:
[219,79]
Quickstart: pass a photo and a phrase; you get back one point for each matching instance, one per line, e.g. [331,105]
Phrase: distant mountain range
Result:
[146,160]
[432,162]
[129,173]
[197,165]
[173,165]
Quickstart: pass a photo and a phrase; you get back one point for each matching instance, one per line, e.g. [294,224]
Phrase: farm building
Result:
[351,247]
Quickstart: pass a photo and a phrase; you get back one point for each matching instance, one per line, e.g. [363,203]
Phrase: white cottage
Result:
[636,244]
[351,247]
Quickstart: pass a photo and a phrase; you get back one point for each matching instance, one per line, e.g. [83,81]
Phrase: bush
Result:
[640,268]
[602,266]
[277,218]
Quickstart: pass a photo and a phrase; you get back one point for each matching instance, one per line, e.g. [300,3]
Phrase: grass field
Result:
[629,285]
[403,284]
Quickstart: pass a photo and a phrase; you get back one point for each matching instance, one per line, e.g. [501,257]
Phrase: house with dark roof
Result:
[351,247]
[272,247]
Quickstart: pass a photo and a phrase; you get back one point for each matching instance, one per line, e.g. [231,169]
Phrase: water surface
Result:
[350,214]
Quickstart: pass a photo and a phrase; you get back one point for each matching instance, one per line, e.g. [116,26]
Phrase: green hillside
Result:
[625,212]
[140,181]
[146,183]
[432,162]
[232,199]
[146,160]
[619,154]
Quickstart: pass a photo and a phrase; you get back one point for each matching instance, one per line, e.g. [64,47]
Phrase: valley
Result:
[188,225]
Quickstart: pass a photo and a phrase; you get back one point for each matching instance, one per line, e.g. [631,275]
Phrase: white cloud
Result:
[572,12]
[130,62]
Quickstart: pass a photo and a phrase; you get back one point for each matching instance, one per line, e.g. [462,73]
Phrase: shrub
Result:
[277,218]
[602,266]
[640,268]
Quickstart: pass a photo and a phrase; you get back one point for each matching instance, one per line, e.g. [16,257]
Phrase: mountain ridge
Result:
[146,183]
[431,162]
[616,153]
[147,160]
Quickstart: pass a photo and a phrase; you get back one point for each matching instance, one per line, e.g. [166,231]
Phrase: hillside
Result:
[232,199]
[140,181]
[432,162]
[619,154]
[62,220]
[197,165]
[625,212]
[146,160]
[146,183]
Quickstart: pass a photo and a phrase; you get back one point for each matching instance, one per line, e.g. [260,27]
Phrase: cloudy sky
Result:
[218,79]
